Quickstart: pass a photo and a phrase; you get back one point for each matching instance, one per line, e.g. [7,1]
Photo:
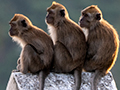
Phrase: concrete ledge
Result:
[19,81]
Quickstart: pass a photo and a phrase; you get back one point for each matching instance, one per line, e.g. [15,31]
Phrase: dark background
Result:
[35,10]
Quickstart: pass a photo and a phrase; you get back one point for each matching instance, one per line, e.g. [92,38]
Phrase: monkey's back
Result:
[103,44]
[42,42]
[73,38]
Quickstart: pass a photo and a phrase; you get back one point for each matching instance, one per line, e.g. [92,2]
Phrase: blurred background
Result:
[35,10]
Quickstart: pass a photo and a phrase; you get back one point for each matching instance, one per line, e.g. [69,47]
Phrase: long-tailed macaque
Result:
[102,42]
[37,47]
[69,41]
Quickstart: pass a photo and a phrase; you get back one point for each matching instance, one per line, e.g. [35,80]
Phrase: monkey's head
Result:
[19,24]
[56,13]
[90,16]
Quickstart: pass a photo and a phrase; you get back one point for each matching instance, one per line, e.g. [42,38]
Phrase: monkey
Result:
[69,42]
[102,43]
[37,47]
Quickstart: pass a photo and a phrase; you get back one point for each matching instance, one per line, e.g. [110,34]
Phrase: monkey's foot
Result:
[15,70]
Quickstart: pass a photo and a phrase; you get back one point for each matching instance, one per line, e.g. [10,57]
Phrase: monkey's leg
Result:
[26,55]
[24,66]
[30,59]
[62,59]
[77,75]
[42,75]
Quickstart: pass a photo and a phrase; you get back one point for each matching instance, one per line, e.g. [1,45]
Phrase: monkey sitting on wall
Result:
[37,47]
[102,41]
[69,41]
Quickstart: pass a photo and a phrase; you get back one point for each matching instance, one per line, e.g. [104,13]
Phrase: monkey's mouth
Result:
[49,21]
[80,24]
[46,19]
[10,33]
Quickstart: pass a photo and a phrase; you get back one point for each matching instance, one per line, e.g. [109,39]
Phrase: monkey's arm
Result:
[37,51]
[37,45]
[60,43]
[77,51]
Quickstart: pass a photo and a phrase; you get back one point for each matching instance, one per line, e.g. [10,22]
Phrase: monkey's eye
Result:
[98,16]
[83,13]
[62,12]
[86,15]
[24,23]
[50,12]
[12,24]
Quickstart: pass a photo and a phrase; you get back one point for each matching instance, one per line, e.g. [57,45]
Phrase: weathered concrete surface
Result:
[19,81]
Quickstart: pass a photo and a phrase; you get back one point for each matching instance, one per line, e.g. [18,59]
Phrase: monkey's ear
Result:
[53,3]
[62,12]
[24,24]
[98,16]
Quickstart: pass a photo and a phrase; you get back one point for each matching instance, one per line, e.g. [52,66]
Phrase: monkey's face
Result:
[55,13]
[13,30]
[90,16]
[18,25]
[50,17]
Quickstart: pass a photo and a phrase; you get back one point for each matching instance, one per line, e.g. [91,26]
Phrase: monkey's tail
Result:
[42,75]
[77,75]
[96,79]
[41,80]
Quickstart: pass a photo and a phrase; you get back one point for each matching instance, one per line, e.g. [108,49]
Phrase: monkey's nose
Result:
[80,20]
[47,15]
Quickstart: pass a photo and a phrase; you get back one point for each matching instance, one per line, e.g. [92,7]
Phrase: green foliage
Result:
[36,11]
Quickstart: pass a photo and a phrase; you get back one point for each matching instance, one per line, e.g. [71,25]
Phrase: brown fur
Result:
[103,42]
[37,47]
[69,40]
